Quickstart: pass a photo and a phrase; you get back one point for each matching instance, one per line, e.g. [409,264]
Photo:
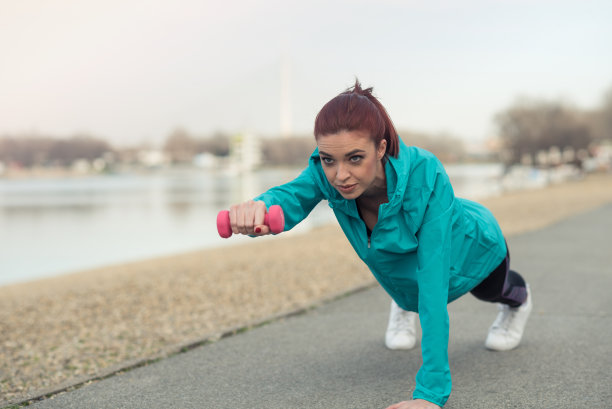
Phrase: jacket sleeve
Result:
[433,380]
[297,198]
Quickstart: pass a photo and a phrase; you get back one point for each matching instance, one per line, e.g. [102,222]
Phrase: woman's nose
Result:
[342,173]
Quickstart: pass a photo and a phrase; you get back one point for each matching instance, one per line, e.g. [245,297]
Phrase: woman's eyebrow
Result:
[351,153]
[354,151]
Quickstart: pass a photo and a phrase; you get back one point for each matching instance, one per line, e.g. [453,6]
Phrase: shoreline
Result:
[78,325]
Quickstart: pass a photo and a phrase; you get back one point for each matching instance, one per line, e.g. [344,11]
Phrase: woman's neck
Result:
[377,193]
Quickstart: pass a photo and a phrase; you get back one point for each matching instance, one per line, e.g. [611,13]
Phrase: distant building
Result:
[487,150]
[153,158]
[206,160]
[81,166]
[245,153]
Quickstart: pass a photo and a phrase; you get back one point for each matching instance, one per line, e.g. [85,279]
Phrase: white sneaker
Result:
[507,329]
[401,331]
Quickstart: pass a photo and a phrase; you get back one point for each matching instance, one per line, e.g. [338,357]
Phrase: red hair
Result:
[357,109]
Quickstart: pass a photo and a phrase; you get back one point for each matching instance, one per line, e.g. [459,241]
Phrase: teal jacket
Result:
[427,249]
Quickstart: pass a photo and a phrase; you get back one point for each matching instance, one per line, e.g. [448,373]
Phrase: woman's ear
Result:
[382,149]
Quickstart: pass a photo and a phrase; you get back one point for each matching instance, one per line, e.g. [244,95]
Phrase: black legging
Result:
[502,285]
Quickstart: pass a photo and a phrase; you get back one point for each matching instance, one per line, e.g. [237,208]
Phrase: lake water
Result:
[55,226]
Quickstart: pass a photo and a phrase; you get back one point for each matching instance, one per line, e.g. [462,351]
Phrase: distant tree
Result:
[24,151]
[218,144]
[292,151]
[180,146]
[530,126]
[66,151]
[446,147]
[600,119]
[31,151]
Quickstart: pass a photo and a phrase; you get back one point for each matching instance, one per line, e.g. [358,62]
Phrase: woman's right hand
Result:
[248,218]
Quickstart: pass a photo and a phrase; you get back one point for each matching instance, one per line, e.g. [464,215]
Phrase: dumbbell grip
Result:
[274,219]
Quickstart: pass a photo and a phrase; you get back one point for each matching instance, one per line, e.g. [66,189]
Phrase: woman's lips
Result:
[346,188]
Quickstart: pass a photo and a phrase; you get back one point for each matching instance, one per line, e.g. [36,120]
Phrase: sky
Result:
[132,71]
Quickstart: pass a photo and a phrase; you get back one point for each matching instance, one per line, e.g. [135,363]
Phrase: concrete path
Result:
[333,356]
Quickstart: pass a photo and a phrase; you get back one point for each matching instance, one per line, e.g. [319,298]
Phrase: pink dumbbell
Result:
[275,220]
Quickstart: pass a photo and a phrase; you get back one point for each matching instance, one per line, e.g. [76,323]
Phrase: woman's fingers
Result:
[260,215]
[414,404]
[248,218]
[243,218]
[233,214]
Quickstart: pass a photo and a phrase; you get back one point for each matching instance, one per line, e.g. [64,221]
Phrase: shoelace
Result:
[504,319]
[402,320]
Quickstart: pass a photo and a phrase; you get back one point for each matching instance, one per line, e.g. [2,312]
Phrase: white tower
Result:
[285,97]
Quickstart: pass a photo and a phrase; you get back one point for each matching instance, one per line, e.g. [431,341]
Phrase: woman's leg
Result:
[508,288]
[502,286]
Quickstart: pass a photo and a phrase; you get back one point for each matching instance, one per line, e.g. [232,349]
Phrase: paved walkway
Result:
[333,356]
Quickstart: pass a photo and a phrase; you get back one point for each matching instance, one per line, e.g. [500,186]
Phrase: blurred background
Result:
[125,126]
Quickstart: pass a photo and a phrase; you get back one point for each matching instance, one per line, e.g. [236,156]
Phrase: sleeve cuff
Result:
[420,394]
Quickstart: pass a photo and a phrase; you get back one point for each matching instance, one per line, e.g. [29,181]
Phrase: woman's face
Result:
[351,161]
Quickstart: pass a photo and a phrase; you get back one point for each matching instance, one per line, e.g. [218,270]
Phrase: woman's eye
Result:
[355,159]
[327,161]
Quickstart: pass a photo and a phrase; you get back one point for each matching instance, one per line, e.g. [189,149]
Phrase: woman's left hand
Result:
[414,404]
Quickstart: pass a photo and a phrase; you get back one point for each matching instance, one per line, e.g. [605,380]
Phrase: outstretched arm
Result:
[297,199]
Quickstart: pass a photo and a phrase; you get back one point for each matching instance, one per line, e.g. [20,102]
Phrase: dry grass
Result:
[58,329]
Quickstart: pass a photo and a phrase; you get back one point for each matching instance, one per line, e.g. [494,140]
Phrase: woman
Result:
[398,210]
